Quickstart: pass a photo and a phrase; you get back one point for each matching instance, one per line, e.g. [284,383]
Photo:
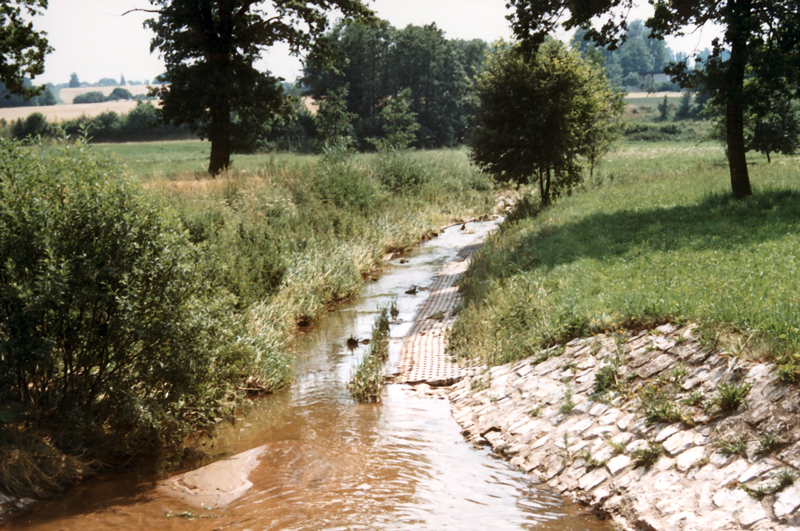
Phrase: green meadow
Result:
[655,237]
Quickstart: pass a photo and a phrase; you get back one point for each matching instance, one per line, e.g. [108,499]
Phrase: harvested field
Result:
[68,94]
[57,113]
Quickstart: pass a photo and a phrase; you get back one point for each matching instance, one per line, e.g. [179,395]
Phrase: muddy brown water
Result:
[331,463]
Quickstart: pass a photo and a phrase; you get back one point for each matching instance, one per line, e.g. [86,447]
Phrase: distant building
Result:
[654,76]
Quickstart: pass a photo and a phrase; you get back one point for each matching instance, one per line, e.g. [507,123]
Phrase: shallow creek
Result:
[331,463]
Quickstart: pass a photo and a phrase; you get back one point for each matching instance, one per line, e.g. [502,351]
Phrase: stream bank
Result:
[653,429]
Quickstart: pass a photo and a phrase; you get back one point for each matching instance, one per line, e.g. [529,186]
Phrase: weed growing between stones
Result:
[367,381]
[608,379]
[732,445]
[591,462]
[731,397]
[536,411]
[694,399]
[617,448]
[659,406]
[766,443]
[568,404]
[647,456]
[785,478]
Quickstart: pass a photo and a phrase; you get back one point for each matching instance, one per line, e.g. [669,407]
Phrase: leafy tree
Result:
[776,129]
[106,82]
[537,115]
[684,110]
[760,35]
[34,125]
[74,82]
[399,124]
[22,48]
[334,122]
[122,80]
[210,49]
[9,99]
[94,96]
[377,62]
[663,110]
[120,93]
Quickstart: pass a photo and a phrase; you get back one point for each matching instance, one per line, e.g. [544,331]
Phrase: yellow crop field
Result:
[57,113]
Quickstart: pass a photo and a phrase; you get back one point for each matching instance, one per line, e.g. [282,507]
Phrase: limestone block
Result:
[690,458]
[598,409]
[751,514]
[580,426]
[600,431]
[755,471]
[666,433]
[625,422]
[656,366]
[680,442]
[610,417]
[787,501]
[618,464]
[593,479]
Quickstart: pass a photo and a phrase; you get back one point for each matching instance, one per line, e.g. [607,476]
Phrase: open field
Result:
[57,113]
[68,94]
[656,237]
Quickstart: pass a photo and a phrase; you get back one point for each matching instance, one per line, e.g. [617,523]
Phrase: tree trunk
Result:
[734,114]
[220,136]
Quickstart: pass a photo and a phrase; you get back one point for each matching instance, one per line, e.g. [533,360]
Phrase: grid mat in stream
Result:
[423,358]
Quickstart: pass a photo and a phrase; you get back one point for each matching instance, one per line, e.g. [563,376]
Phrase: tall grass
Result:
[367,380]
[656,237]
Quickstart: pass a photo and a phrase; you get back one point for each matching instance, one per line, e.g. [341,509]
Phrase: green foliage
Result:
[537,116]
[111,326]
[568,404]
[221,42]
[663,110]
[94,96]
[334,122]
[609,378]
[647,456]
[119,93]
[659,405]
[399,124]
[378,62]
[684,110]
[140,123]
[34,125]
[636,250]
[22,48]
[731,397]
[732,445]
[367,381]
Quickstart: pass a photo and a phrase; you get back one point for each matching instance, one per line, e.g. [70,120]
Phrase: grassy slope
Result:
[292,235]
[657,237]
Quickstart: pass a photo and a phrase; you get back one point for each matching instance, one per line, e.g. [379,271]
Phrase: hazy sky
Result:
[94,40]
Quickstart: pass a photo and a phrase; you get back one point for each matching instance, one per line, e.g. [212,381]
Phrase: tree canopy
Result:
[210,49]
[760,36]
[22,48]
[377,62]
[539,116]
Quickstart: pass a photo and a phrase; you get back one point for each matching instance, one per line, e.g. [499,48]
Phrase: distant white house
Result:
[655,75]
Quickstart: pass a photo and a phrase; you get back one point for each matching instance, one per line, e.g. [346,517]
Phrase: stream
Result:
[331,463]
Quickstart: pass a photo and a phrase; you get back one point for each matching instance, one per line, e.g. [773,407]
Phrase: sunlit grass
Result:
[656,237]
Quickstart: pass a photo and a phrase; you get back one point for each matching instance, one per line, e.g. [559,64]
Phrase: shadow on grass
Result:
[717,223]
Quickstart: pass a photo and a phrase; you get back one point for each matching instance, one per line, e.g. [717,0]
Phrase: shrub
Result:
[90,97]
[34,125]
[111,325]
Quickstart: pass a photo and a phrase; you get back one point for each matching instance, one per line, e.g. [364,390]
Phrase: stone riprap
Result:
[716,470]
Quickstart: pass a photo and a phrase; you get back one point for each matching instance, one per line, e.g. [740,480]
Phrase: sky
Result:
[93,39]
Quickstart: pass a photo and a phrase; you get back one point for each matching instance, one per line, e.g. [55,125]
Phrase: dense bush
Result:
[90,97]
[141,123]
[34,125]
[112,327]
